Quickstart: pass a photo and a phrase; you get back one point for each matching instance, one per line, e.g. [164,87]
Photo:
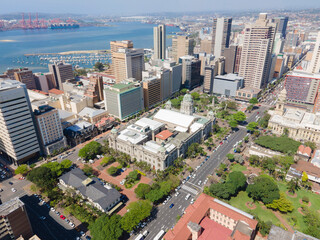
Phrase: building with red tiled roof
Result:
[41,92]
[55,91]
[211,219]
[304,153]
[164,135]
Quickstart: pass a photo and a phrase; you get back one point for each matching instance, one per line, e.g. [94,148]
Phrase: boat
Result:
[64,26]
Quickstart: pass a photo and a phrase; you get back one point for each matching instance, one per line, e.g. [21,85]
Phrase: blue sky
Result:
[115,7]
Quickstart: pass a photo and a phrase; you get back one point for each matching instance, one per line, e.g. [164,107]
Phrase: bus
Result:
[139,237]
[159,235]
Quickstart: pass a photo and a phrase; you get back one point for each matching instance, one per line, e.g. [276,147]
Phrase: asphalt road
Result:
[51,228]
[166,217]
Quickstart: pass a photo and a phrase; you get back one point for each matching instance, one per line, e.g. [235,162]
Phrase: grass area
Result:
[264,214]
[313,198]
[130,185]
[238,167]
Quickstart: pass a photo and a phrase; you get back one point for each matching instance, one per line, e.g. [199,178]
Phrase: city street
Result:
[165,217]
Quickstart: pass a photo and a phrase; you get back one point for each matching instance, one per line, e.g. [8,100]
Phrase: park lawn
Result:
[238,167]
[128,186]
[313,198]
[264,214]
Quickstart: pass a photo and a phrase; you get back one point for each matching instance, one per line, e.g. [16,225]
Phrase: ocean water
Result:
[14,44]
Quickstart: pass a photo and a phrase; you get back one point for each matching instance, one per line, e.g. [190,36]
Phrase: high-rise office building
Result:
[151,91]
[45,81]
[128,63]
[238,59]
[282,23]
[49,129]
[190,71]
[206,45]
[14,220]
[26,77]
[181,46]
[159,41]
[230,54]
[18,139]
[314,66]
[278,44]
[62,72]
[221,31]
[256,52]
[208,79]
[95,89]
[123,100]
[116,45]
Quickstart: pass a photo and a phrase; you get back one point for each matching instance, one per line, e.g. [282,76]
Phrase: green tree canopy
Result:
[264,188]
[90,150]
[252,126]
[142,190]
[253,100]
[282,144]
[113,170]
[137,211]
[66,163]
[22,169]
[87,169]
[233,123]
[310,144]
[282,204]
[106,228]
[195,96]
[99,66]
[239,116]
[43,177]
[230,156]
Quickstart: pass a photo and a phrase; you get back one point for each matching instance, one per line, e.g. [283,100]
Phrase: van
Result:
[145,233]
[188,195]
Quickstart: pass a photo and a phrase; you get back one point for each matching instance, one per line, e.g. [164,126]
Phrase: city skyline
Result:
[117,8]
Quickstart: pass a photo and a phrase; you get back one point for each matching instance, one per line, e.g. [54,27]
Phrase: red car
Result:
[62,217]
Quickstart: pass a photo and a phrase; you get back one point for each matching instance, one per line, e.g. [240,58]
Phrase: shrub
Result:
[305,199]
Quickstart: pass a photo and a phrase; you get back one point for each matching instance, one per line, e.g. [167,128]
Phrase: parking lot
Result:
[5,172]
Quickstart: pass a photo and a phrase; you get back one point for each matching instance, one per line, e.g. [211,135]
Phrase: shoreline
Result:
[69,52]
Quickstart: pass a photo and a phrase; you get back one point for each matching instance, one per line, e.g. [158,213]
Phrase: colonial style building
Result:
[301,125]
[165,137]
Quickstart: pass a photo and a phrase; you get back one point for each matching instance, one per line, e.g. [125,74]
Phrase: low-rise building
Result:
[277,233]
[80,132]
[303,153]
[209,218]
[103,197]
[147,139]
[245,94]
[227,84]
[92,115]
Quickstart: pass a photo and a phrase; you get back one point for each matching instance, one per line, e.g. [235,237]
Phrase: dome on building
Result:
[168,105]
[114,130]
[187,98]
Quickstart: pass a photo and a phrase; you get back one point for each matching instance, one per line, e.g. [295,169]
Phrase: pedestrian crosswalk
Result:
[189,189]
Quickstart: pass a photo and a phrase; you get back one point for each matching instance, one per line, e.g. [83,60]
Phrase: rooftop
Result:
[132,136]
[165,134]
[144,122]
[10,206]
[79,126]
[307,167]
[6,83]
[56,91]
[91,112]
[175,118]
[229,77]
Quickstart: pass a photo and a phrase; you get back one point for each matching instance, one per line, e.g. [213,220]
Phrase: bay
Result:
[14,44]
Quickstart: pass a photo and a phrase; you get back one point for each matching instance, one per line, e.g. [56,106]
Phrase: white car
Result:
[199,183]
[52,209]
[122,182]
[13,190]
[71,224]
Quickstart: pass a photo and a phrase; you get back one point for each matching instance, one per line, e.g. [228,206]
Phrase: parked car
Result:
[171,206]
[13,190]
[62,217]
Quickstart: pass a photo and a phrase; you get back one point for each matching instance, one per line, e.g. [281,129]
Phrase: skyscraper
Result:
[230,59]
[128,63]
[256,52]
[18,139]
[282,23]
[115,45]
[220,35]
[26,77]
[314,66]
[62,72]
[14,220]
[181,46]
[159,41]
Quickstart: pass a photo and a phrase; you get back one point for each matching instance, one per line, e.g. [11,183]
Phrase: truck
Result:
[159,235]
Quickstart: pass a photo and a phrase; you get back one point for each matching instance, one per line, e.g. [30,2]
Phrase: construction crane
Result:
[36,22]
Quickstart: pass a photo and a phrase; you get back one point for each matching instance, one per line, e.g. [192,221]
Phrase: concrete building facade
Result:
[221,31]
[151,91]
[314,66]
[18,138]
[159,41]
[191,68]
[26,77]
[227,84]
[181,46]
[62,72]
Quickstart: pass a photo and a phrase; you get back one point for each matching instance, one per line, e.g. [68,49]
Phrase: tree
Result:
[22,169]
[239,116]
[154,195]
[66,163]
[264,121]
[264,188]
[282,144]
[304,177]
[113,170]
[239,159]
[134,175]
[230,157]
[310,144]
[216,128]
[282,204]
[286,132]
[195,96]
[142,190]
[90,150]
[252,126]
[99,66]
[106,228]
[222,190]
[253,100]
[137,211]
[43,177]
[233,123]
[183,91]
[175,103]
[238,179]
[87,170]
[293,185]
[107,160]
[249,108]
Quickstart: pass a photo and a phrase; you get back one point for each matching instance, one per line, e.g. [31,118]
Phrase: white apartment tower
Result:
[18,139]
[314,66]
[256,52]
[159,41]
[221,31]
